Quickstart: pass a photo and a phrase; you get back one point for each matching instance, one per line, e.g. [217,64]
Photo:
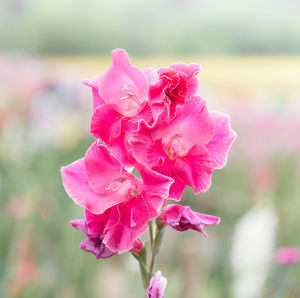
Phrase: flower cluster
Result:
[154,137]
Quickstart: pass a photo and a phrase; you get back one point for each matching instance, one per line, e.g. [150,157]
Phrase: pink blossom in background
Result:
[182,218]
[287,255]
[118,205]
[157,286]
[277,128]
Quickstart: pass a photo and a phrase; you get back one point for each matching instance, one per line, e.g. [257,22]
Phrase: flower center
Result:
[130,94]
[124,186]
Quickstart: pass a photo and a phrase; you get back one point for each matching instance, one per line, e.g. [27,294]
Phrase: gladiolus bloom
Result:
[118,205]
[187,148]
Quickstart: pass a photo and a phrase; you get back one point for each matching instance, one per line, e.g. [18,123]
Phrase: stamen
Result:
[171,149]
[130,94]
[172,139]
[117,184]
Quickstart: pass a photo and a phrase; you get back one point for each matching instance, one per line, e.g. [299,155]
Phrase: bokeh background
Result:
[250,57]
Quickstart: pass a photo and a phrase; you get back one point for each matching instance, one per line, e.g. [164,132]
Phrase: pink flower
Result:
[123,86]
[182,218]
[175,85]
[287,255]
[118,205]
[120,100]
[93,242]
[187,148]
[157,286]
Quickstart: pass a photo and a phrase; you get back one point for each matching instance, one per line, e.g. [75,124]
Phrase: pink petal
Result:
[191,70]
[193,123]
[101,223]
[195,169]
[77,186]
[94,84]
[119,148]
[93,242]
[124,86]
[182,218]
[145,149]
[101,167]
[220,144]
[178,186]
[156,188]
[151,74]
[122,224]
[106,124]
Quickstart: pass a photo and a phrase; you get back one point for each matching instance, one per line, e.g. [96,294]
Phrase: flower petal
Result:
[193,123]
[77,186]
[106,123]
[94,84]
[220,144]
[124,86]
[182,218]
[195,169]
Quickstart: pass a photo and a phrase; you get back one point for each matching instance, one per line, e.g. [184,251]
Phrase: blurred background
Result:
[250,57]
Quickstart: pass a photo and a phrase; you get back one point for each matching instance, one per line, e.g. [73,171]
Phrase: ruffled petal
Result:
[106,124]
[195,169]
[222,140]
[193,124]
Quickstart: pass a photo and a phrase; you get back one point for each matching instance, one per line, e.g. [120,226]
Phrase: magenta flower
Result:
[157,286]
[175,85]
[130,86]
[187,148]
[120,100]
[118,205]
[182,218]
[287,255]
[93,242]
[149,121]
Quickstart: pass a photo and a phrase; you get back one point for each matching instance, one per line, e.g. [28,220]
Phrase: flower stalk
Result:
[156,232]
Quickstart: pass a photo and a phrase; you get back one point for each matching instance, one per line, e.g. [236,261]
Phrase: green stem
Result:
[150,225]
[156,247]
[155,243]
